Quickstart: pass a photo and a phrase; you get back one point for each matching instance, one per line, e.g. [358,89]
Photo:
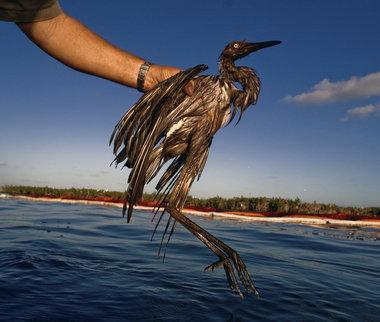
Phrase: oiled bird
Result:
[167,126]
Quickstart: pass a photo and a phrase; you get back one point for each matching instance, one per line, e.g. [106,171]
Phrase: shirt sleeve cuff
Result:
[39,14]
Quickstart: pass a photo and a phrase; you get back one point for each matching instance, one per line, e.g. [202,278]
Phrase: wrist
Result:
[151,78]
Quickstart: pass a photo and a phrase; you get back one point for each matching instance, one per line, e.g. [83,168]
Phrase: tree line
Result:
[276,206]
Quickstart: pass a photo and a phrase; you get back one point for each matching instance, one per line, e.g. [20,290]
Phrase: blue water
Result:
[62,262]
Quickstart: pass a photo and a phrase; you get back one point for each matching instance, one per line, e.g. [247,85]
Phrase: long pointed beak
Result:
[260,45]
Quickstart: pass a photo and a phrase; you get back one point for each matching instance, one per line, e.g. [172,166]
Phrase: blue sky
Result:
[314,133]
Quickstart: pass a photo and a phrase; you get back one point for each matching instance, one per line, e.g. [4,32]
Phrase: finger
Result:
[189,88]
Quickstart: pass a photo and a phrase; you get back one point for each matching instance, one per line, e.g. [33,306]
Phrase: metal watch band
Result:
[141,76]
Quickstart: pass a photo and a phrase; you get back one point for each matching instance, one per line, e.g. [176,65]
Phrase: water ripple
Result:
[78,263]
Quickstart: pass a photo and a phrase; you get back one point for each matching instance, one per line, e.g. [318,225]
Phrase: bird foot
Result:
[228,262]
[243,273]
[233,260]
[217,264]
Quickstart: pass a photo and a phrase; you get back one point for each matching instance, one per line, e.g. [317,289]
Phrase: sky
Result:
[314,133]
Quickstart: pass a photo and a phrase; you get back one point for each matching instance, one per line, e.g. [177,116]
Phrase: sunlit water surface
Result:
[62,262]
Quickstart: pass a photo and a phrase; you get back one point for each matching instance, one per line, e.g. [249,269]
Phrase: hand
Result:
[158,73]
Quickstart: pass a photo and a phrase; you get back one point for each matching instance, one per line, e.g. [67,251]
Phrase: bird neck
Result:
[228,69]
[245,76]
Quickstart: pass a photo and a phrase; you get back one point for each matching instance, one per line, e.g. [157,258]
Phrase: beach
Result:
[237,215]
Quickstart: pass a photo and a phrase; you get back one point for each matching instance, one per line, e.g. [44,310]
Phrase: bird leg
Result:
[223,260]
[225,253]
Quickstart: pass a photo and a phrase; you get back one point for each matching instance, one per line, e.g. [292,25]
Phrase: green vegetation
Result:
[277,206]
[71,193]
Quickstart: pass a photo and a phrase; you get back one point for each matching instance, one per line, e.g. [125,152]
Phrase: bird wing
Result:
[192,166]
[145,124]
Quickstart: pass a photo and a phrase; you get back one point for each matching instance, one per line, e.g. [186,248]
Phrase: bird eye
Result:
[236,45]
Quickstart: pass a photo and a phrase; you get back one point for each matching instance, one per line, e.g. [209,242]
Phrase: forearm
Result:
[73,44]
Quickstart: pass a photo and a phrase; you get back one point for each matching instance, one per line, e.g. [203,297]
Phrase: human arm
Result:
[75,45]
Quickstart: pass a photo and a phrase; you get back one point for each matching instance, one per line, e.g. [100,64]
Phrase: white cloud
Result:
[327,91]
[362,112]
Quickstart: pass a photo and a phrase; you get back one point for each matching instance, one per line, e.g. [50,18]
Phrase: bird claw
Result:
[217,264]
[243,273]
[241,269]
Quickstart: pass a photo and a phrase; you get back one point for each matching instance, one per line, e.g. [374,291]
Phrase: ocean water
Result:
[62,262]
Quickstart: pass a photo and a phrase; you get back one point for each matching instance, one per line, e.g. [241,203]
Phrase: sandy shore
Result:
[242,216]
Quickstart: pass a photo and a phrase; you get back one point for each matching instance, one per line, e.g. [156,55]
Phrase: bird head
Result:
[239,49]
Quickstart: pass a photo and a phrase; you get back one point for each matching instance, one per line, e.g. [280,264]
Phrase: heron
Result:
[168,127]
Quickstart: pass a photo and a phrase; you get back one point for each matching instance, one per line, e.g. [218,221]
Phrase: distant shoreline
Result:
[238,215]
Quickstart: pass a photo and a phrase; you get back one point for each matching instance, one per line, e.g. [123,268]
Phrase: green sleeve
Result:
[28,10]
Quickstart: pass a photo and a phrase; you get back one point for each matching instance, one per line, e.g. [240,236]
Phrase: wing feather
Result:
[143,126]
